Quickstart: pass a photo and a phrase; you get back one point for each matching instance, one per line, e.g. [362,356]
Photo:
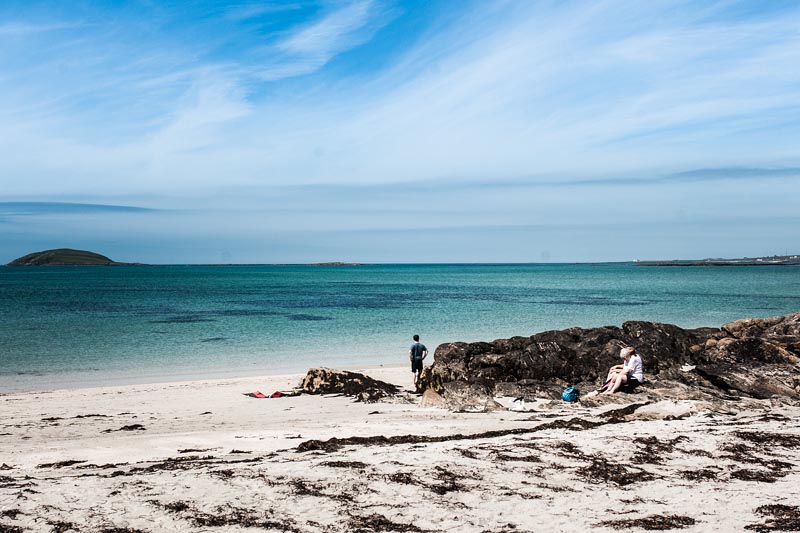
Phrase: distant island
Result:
[779,260]
[64,257]
[336,264]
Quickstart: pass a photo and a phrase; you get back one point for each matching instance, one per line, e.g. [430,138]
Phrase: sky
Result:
[400,131]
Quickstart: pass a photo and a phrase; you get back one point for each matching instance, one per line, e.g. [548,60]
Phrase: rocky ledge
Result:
[362,388]
[753,358]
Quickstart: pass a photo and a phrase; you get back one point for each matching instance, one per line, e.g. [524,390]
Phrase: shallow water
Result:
[74,326]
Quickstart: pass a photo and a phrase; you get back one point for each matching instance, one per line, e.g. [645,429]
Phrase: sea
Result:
[65,327]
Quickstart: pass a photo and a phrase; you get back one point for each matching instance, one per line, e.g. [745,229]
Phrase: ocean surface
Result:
[84,326]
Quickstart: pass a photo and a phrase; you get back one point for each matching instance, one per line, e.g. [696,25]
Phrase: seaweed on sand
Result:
[614,416]
[59,526]
[402,477]
[511,528]
[130,427]
[8,528]
[60,464]
[652,449]
[357,465]
[703,474]
[376,523]
[8,482]
[618,414]
[569,449]
[770,439]
[742,453]
[226,515]
[173,463]
[777,518]
[469,454]
[301,487]
[504,456]
[600,470]
[763,476]
[447,482]
[654,522]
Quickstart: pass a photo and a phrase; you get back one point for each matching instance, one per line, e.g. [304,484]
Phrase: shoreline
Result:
[199,455]
[205,379]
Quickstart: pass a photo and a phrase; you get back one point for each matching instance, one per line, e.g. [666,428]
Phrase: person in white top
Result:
[628,372]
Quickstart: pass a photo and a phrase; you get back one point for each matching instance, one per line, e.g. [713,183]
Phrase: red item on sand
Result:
[276,394]
[256,394]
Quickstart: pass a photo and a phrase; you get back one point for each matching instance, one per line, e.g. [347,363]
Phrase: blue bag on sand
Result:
[570,394]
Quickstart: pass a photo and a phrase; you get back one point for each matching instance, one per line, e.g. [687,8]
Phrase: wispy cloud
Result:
[315,116]
[24,28]
[310,47]
[257,9]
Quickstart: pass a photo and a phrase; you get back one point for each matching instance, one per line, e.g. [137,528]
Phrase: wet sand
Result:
[201,456]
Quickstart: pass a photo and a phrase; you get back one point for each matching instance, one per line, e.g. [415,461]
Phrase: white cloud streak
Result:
[507,90]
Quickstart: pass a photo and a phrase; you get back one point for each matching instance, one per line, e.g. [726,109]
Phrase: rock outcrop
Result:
[331,381]
[757,358]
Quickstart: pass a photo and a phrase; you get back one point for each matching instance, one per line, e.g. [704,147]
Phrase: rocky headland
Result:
[64,257]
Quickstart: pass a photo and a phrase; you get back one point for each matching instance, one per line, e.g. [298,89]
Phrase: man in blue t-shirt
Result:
[417,353]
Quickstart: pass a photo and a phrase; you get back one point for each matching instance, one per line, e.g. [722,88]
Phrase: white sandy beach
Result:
[201,456]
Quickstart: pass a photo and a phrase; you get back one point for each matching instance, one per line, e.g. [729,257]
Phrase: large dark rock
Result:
[331,381]
[754,357]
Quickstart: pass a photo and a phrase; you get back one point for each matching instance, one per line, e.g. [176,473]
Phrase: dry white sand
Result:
[208,458]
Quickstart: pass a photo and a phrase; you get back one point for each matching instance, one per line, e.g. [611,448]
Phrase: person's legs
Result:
[618,381]
[612,375]
[416,368]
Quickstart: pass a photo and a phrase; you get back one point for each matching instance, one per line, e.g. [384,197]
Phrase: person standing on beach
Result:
[417,353]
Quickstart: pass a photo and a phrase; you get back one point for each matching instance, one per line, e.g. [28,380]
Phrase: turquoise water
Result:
[74,326]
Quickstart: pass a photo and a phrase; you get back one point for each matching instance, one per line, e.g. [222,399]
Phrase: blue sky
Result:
[391,131]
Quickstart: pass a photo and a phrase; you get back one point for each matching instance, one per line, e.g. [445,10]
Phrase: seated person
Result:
[629,373]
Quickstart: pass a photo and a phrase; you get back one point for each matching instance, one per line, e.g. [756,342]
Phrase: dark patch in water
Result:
[215,339]
[185,319]
[597,301]
[309,318]
[107,307]
[244,312]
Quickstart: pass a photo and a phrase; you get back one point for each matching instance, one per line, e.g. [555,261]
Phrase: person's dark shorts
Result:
[630,385]
[416,365]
